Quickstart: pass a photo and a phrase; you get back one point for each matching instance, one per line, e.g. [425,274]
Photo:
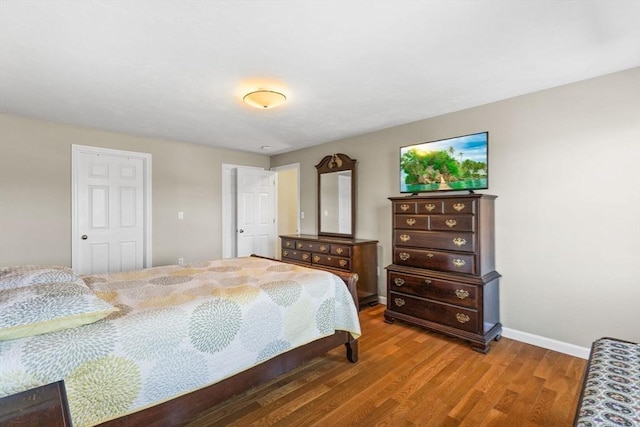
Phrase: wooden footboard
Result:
[181,409]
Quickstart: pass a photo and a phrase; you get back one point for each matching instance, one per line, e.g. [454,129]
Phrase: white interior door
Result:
[256,231]
[109,209]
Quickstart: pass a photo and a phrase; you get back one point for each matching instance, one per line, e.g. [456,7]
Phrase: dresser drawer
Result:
[340,250]
[411,222]
[454,241]
[430,206]
[297,255]
[441,290]
[435,260]
[446,314]
[405,207]
[321,247]
[288,244]
[451,222]
[332,261]
[459,206]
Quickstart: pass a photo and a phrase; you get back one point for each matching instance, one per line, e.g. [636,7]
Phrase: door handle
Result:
[241,231]
[84,237]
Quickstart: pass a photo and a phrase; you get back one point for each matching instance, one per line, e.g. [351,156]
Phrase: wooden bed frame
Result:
[183,408]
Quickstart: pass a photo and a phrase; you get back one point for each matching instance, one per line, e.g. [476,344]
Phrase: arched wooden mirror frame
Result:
[333,171]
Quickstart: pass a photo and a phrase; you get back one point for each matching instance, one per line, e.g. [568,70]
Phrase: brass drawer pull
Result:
[342,262]
[285,253]
[458,206]
[430,255]
[451,223]
[305,256]
[458,263]
[462,318]
[399,302]
[462,294]
[411,221]
[404,256]
[405,237]
[339,250]
[323,248]
[398,281]
[459,242]
[299,245]
[429,207]
[316,258]
[427,281]
[405,207]
[287,244]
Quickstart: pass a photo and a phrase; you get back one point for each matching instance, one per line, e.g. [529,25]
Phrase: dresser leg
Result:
[484,349]
[388,319]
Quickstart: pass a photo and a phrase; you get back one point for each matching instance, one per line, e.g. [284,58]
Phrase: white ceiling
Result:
[178,69]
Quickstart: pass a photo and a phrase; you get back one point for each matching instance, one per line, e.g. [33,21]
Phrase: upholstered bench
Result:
[610,393]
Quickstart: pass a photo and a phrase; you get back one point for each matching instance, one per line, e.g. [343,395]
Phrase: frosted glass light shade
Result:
[264,99]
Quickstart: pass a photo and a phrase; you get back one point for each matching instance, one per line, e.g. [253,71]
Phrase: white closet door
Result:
[110,213]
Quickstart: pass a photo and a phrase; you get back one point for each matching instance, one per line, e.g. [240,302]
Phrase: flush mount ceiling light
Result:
[264,99]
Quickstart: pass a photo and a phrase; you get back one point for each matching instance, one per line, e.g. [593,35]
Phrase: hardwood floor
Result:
[407,376]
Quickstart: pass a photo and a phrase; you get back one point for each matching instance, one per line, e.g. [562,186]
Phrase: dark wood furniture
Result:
[44,406]
[443,274]
[350,255]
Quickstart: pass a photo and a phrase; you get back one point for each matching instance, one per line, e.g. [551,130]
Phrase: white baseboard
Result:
[548,343]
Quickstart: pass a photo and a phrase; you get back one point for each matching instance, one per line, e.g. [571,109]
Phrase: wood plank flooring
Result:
[407,376]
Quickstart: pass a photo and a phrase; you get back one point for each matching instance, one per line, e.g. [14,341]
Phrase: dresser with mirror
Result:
[335,244]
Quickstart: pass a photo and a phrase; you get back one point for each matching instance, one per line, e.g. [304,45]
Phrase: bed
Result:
[173,341]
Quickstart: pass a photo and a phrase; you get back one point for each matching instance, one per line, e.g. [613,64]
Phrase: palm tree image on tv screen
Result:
[459,163]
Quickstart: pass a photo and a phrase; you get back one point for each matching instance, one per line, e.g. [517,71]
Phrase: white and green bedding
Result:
[178,329]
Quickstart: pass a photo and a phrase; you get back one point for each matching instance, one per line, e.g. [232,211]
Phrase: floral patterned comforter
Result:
[179,328]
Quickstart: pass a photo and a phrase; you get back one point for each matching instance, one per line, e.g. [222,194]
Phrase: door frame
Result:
[229,225]
[76,150]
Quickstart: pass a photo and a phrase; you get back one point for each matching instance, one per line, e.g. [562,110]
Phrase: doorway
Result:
[287,205]
[288,194]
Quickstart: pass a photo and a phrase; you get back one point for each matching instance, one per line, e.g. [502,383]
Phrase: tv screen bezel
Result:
[438,190]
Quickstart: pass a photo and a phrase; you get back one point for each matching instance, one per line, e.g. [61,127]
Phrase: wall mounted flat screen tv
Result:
[452,164]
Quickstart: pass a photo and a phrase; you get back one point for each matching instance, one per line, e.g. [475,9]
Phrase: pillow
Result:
[49,307]
[26,275]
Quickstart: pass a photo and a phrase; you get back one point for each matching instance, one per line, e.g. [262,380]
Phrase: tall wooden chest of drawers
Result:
[355,255]
[443,274]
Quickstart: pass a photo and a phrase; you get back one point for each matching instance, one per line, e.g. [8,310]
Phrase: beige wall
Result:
[35,191]
[565,165]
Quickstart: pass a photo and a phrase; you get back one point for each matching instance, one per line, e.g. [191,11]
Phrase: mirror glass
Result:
[335,202]
[336,196]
